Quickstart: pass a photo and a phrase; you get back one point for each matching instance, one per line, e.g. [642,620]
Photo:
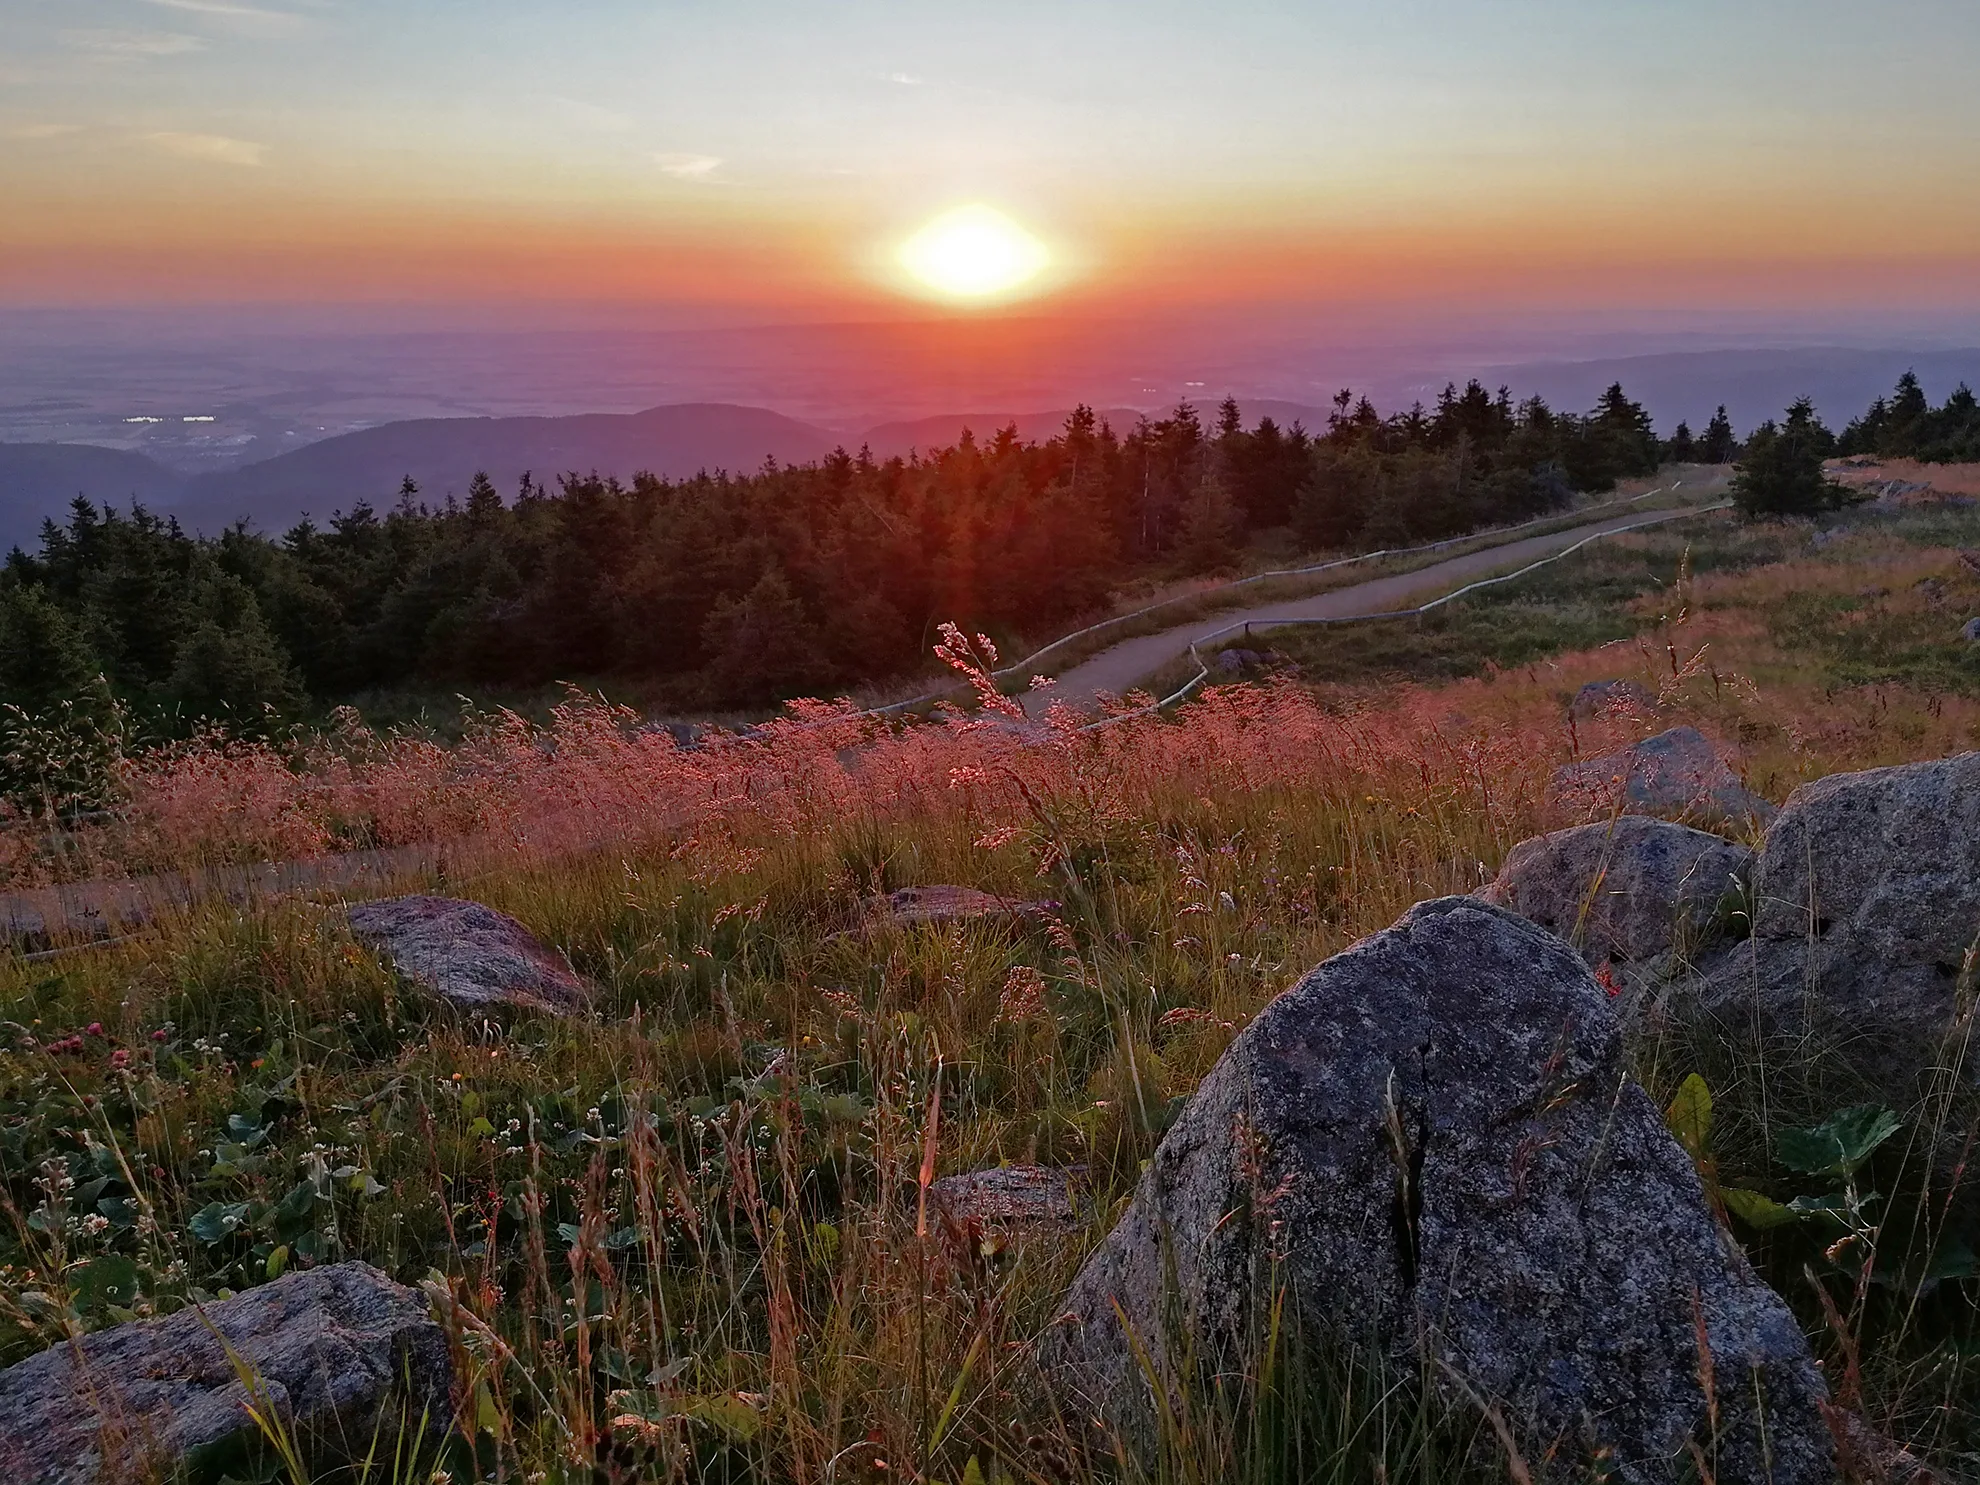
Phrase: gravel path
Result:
[1119,668]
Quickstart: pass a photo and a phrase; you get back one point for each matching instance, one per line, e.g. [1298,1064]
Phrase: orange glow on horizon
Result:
[1132,258]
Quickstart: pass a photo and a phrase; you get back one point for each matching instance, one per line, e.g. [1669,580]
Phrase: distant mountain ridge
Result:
[38,480]
[442,455]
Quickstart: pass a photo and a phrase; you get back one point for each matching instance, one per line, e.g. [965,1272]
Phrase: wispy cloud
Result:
[133,43]
[43,131]
[253,18]
[216,149]
[907,79]
[689,167]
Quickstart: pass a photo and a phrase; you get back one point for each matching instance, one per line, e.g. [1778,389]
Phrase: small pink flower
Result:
[95,1028]
[120,1058]
[158,1036]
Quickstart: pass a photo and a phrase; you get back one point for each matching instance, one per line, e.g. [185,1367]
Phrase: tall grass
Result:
[688,1239]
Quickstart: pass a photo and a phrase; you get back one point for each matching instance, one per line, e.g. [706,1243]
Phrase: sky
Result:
[763,160]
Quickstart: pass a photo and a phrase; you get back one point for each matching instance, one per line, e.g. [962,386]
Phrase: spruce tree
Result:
[1209,522]
[1781,474]
[483,504]
[1719,443]
[761,646]
[43,659]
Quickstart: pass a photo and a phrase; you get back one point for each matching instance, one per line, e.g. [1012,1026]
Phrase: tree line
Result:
[736,589]
[1905,425]
[1781,470]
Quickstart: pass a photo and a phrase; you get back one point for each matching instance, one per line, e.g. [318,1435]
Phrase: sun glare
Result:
[974,252]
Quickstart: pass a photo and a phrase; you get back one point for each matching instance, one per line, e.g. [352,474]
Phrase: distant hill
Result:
[38,480]
[442,455]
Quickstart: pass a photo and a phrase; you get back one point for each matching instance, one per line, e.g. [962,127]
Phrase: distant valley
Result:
[441,454]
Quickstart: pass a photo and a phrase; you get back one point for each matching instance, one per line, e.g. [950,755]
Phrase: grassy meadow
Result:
[685,1240]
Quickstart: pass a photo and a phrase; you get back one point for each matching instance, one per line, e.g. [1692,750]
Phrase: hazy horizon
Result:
[266,222]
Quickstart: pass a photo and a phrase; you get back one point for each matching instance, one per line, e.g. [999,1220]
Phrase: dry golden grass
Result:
[679,1242]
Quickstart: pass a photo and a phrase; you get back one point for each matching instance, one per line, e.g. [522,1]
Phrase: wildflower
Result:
[1606,978]
[1024,992]
[120,1059]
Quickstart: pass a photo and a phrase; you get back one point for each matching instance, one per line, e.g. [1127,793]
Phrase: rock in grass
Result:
[1599,698]
[1007,1196]
[1677,772]
[908,905]
[1622,889]
[340,1353]
[1436,1134]
[470,955]
[1866,900]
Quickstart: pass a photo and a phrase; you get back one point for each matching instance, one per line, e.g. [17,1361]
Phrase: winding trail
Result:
[1119,668]
[43,922]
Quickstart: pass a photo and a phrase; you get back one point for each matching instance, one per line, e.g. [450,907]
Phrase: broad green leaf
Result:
[487,1417]
[218,1220]
[109,1280]
[121,1210]
[728,1413]
[298,1203]
[1689,1117]
[278,1261]
[1953,1261]
[481,1129]
[1839,1144]
[1756,1210]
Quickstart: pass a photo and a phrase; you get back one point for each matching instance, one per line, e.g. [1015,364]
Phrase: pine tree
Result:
[43,659]
[762,645]
[1209,523]
[1333,504]
[1719,444]
[484,506]
[1780,473]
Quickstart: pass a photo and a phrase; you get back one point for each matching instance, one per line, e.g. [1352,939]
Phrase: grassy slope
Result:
[728,1159]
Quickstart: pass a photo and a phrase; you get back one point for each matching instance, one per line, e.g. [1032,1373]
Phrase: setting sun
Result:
[973,252]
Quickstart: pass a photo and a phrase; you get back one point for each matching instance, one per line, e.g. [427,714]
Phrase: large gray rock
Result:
[1435,1135]
[1866,900]
[1677,772]
[340,1352]
[469,955]
[1630,888]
